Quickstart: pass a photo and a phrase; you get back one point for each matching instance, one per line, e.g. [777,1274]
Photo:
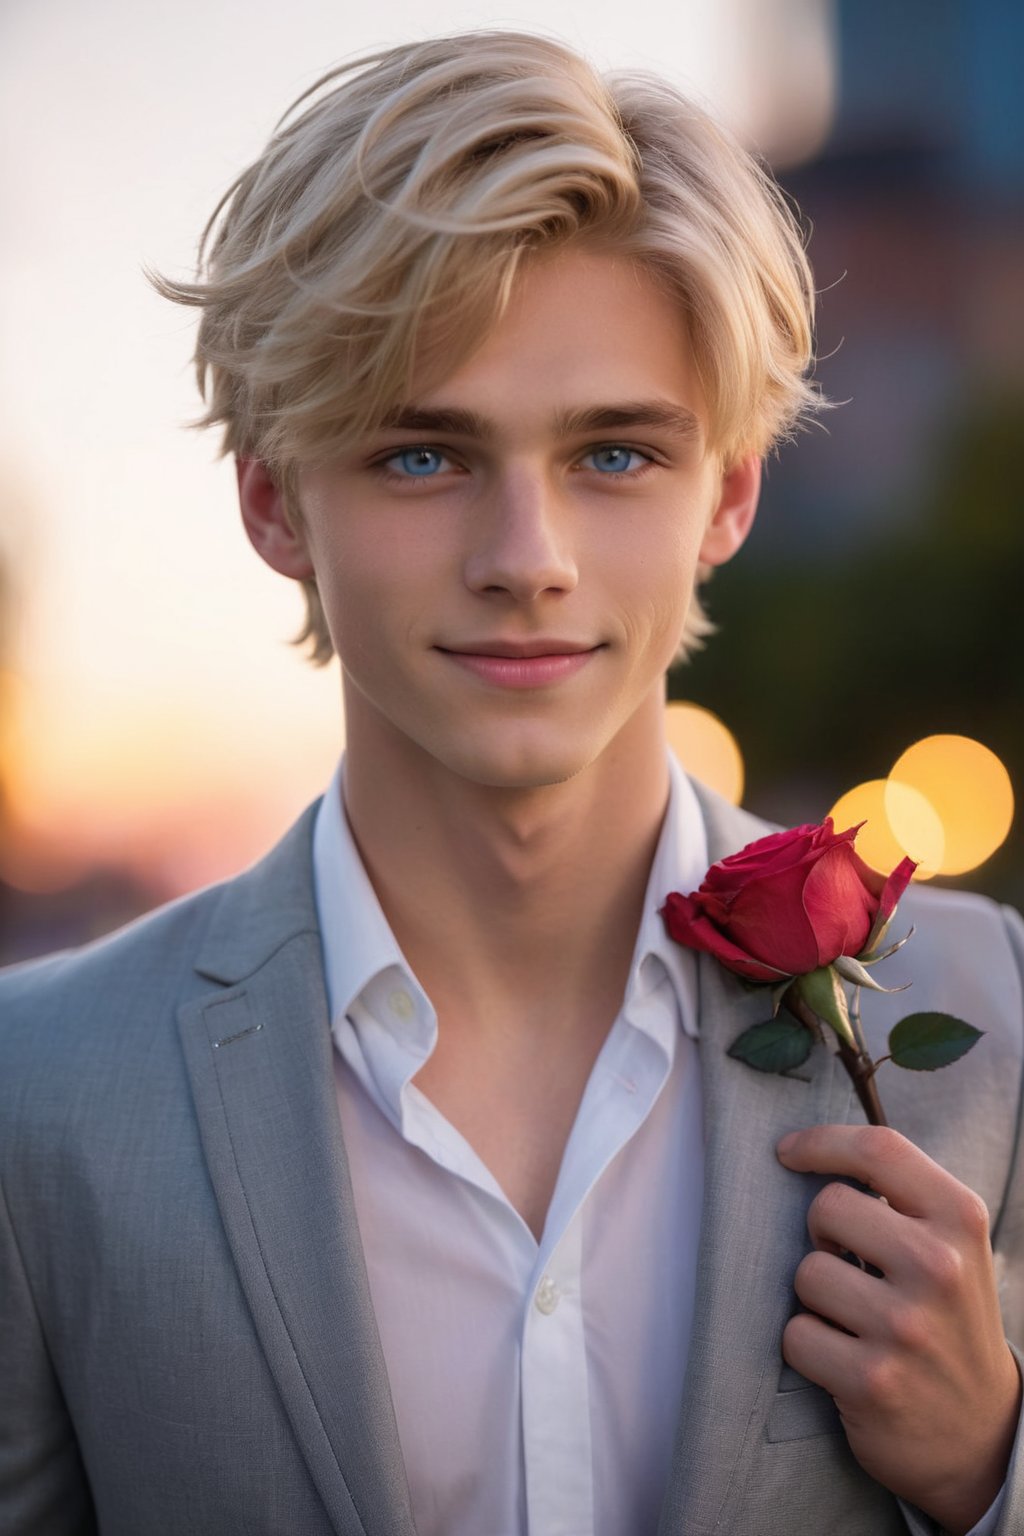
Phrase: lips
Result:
[518,649]
[523,664]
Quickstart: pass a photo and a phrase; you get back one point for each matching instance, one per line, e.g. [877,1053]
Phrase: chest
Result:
[515,1106]
[536,1383]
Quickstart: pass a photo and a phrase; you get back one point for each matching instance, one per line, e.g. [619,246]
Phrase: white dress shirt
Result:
[536,1386]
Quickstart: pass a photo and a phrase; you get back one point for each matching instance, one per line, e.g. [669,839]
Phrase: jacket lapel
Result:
[258,1050]
[753,1231]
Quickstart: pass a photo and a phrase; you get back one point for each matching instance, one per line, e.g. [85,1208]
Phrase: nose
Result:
[520,543]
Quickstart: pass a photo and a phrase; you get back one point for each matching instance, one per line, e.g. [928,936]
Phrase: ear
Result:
[733,517]
[267,523]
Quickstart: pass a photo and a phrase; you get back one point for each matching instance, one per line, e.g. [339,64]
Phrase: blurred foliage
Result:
[827,671]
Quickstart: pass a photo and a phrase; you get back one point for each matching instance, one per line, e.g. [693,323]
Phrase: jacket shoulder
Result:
[44,1003]
[965,931]
[111,1006]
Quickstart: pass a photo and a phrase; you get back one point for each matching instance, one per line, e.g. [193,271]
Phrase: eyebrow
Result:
[663,414]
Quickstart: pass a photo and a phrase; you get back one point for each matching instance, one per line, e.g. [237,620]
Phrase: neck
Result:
[510,901]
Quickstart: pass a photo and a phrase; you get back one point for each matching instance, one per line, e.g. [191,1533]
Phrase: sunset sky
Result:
[154,708]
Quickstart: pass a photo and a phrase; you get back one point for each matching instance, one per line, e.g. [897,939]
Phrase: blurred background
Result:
[157,731]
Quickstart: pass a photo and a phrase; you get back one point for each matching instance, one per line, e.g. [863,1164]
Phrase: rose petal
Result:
[687,924]
[838,907]
[894,887]
[768,920]
[780,850]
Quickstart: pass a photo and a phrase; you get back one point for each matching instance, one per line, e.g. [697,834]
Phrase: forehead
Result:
[581,330]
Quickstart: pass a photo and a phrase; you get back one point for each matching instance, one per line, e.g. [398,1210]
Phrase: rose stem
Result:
[855,1022]
[861,1068]
[862,1071]
[856,1061]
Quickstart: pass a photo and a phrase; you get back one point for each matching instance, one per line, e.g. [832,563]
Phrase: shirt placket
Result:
[555,1397]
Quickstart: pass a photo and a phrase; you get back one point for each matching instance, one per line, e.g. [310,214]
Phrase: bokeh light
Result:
[921,831]
[969,789]
[706,748]
[948,803]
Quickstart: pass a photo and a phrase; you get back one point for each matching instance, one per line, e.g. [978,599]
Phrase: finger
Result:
[843,1295]
[841,1218]
[882,1159]
[821,1353]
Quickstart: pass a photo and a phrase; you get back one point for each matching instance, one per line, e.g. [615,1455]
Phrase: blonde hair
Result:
[382,229]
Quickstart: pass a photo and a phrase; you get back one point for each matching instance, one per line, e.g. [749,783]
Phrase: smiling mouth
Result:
[525,650]
[514,669]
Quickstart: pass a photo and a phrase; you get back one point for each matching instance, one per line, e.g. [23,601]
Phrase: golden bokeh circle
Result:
[969,789]
[877,841]
[706,748]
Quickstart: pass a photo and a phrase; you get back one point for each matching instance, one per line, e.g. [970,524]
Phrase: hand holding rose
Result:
[912,1349]
[926,1385]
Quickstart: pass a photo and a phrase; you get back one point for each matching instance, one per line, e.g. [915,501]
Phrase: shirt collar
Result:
[359,946]
[680,863]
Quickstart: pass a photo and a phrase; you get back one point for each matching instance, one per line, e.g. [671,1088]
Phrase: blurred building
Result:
[917,208]
[878,599]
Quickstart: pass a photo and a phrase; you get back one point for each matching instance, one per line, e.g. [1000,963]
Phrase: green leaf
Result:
[923,1042]
[776,1046]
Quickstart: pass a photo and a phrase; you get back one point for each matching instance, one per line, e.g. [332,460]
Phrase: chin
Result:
[519,767]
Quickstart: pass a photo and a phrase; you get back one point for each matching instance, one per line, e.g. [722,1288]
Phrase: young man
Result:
[404,1183]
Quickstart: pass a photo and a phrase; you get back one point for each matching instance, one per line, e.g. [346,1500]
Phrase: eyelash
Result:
[395,477]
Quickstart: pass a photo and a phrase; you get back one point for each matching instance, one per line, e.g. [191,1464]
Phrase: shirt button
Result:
[547,1297]
[401,1004]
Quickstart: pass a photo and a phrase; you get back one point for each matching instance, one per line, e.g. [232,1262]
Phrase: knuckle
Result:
[877,1380]
[943,1265]
[882,1143]
[973,1214]
[909,1329]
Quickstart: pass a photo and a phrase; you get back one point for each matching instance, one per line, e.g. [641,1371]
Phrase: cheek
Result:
[380,598]
[349,588]
[656,584]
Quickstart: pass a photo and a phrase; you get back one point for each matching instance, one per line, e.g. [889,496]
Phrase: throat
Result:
[514,1095]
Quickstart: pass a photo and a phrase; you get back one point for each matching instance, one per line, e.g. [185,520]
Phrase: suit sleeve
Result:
[1008,1245]
[43,1488]
[1006,1516]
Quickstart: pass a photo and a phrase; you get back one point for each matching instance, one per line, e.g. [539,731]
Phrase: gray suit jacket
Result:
[187,1342]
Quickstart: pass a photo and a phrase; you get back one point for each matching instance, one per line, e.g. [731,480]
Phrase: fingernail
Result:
[788,1142]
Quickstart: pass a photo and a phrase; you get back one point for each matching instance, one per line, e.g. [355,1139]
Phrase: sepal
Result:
[778,993]
[854,970]
[892,889]
[868,957]
[822,991]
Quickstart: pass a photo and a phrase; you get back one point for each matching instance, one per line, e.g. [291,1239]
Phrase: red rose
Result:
[787,904]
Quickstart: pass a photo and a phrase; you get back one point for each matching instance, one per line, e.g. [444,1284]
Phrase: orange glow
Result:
[706,748]
[877,842]
[969,789]
[152,783]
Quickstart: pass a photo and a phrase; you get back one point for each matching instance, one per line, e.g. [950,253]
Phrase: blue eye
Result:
[419,463]
[614,459]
